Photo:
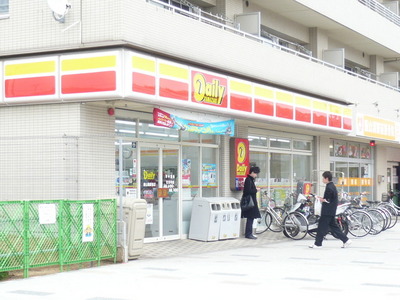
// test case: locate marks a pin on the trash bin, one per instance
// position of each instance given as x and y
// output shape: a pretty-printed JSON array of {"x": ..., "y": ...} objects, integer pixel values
[
  {"x": 205, "y": 220},
  {"x": 134, "y": 215},
  {"x": 225, "y": 228},
  {"x": 236, "y": 213}
]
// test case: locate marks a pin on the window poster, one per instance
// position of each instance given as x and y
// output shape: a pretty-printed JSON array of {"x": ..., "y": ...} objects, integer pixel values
[
  {"x": 365, "y": 152},
  {"x": 209, "y": 175},
  {"x": 87, "y": 222},
  {"x": 340, "y": 149},
  {"x": 186, "y": 168}
]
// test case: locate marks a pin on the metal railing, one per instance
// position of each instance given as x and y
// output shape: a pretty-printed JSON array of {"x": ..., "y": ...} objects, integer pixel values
[
  {"x": 382, "y": 10},
  {"x": 56, "y": 232},
  {"x": 267, "y": 42}
]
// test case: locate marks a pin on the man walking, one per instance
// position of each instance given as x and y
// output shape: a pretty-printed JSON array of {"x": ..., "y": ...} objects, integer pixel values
[{"x": 327, "y": 221}]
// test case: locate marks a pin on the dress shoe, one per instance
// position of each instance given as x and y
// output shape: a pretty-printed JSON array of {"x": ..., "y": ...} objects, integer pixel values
[{"x": 252, "y": 237}]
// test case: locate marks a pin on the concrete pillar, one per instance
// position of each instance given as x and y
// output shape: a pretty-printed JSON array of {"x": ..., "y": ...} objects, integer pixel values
[{"x": 318, "y": 42}]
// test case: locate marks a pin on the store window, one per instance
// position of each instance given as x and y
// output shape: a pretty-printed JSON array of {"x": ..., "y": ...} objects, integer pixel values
[
  {"x": 285, "y": 163},
  {"x": 352, "y": 167},
  {"x": 148, "y": 130},
  {"x": 280, "y": 143}
]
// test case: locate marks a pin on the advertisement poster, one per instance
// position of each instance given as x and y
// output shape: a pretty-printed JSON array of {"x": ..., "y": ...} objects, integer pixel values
[
  {"x": 87, "y": 222},
  {"x": 239, "y": 162},
  {"x": 186, "y": 168},
  {"x": 164, "y": 119},
  {"x": 47, "y": 213},
  {"x": 209, "y": 172}
]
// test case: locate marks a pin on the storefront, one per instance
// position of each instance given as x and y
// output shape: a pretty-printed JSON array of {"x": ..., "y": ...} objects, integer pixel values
[
  {"x": 166, "y": 167},
  {"x": 169, "y": 166}
]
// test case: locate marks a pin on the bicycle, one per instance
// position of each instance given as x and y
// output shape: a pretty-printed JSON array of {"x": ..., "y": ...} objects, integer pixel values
[
  {"x": 293, "y": 224},
  {"x": 271, "y": 216},
  {"x": 313, "y": 219},
  {"x": 378, "y": 217}
]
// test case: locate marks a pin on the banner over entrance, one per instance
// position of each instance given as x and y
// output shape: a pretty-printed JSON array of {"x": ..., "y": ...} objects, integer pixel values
[{"x": 164, "y": 119}]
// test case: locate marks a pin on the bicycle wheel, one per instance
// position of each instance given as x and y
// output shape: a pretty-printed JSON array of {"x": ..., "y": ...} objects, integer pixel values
[
  {"x": 276, "y": 220},
  {"x": 295, "y": 226},
  {"x": 359, "y": 223},
  {"x": 378, "y": 221},
  {"x": 386, "y": 216},
  {"x": 393, "y": 215},
  {"x": 262, "y": 225}
]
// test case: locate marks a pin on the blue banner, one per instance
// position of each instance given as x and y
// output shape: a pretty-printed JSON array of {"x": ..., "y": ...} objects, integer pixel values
[{"x": 162, "y": 118}]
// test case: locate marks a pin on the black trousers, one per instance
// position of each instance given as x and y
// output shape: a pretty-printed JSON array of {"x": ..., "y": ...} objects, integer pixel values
[
  {"x": 326, "y": 224},
  {"x": 249, "y": 227}
]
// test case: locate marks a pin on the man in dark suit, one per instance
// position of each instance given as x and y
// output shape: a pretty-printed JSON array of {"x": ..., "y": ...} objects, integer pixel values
[{"x": 327, "y": 221}]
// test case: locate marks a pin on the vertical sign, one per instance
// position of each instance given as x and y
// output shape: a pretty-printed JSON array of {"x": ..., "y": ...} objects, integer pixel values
[
  {"x": 239, "y": 162},
  {"x": 87, "y": 222}
]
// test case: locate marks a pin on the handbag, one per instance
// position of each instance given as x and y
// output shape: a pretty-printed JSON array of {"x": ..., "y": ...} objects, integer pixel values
[{"x": 246, "y": 203}]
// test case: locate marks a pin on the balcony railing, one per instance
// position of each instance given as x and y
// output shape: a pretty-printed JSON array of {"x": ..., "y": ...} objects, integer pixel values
[
  {"x": 382, "y": 10},
  {"x": 267, "y": 42}
]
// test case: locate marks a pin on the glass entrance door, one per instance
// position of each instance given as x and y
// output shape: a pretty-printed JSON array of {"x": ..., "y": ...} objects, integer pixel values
[{"x": 159, "y": 186}]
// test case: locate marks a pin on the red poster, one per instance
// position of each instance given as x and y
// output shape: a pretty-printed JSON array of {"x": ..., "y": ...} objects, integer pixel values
[{"x": 239, "y": 162}]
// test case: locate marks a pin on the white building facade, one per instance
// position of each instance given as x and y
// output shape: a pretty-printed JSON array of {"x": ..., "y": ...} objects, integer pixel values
[{"x": 308, "y": 83}]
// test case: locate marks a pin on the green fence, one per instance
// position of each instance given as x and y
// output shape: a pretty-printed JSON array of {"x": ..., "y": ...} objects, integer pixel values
[{"x": 56, "y": 232}]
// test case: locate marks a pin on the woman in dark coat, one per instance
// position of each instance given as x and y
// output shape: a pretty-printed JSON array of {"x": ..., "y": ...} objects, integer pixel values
[{"x": 253, "y": 213}]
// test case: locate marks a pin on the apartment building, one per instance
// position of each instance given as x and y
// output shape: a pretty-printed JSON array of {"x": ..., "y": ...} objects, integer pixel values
[{"x": 168, "y": 100}]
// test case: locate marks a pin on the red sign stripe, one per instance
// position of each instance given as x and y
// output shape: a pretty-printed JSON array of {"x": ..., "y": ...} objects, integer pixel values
[
  {"x": 27, "y": 87},
  {"x": 264, "y": 107},
  {"x": 335, "y": 121},
  {"x": 320, "y": 118},
  {"x": 88, "y": 82},
  {"x": 174, "y": 89},
  {"x": 240, "y": 102},
  {"x": 143, "y": 83},
  {"x": 284, "y": 111},
  {"x": 347, "y": 123},
  {"x": 303, "y": 114}
]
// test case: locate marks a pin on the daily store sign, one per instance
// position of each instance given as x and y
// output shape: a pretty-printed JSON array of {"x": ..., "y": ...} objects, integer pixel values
[
  {"x": 124, "y": 74},
  {"x": 378, "y": 128}
]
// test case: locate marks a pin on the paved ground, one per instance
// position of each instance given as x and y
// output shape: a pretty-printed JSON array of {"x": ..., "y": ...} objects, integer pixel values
[{"x": 271, "y": 266}]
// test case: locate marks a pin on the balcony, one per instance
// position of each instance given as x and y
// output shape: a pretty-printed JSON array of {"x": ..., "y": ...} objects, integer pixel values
[{"x": 265, "y": 39}]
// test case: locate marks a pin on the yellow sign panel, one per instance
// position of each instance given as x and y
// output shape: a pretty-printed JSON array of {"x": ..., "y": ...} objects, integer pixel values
[{"x": 376, "y": 127}]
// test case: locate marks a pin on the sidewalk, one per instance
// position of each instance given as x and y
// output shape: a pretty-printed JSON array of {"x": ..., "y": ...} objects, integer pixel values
[{"x": 271, "y": 266}]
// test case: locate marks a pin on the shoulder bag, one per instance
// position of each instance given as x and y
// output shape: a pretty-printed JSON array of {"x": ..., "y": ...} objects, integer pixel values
[{"x": 246, "y": 203}]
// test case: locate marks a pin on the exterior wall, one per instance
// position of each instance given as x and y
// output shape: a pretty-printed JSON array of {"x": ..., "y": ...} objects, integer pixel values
[{"x": 56, "y": 152}]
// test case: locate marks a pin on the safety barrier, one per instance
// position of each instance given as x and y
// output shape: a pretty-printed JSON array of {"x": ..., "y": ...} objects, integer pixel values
[{"x": 56, "y": 232}]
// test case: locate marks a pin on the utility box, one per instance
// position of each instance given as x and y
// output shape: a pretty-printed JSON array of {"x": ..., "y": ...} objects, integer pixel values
[
  {"x": 134, "y": 215},
  {"x": 205, "y": 220}
]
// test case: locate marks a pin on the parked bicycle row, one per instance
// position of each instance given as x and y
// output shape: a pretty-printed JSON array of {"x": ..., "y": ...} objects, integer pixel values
[{"x": 353, "y": 217}]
